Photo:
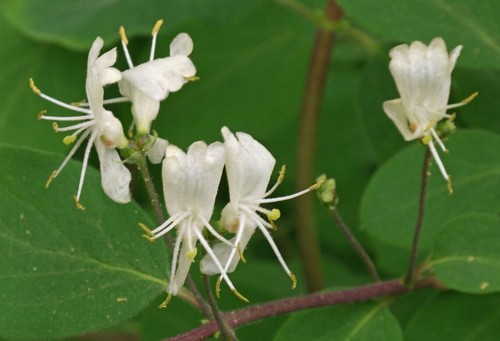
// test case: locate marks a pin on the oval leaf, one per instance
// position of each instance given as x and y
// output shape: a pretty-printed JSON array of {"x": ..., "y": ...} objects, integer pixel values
[
  {"x": 65, "y": 271},
  {"x": 365, "y": 321},
  {"x": 467, "y": 254}
]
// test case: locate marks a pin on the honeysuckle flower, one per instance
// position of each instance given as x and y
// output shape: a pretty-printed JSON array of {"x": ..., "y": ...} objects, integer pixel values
[
  {"x": 147, "y": 84},
  {"x": 102, "y": 129},
  {"x": 423, "y": 78},
  {"x": 157, "y": 150},
  {"x": 249, "y": 166},
  {"x": 190, "y": 183}
]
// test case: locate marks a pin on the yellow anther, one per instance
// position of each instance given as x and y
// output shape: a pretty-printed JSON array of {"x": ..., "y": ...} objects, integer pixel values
[
  {"x": 240, "y": 296},
  {"x": 450, "y": 187},
  {"x": 146, "y": 229},
  {"x": 282, "y": 174},
  {"x": 79, "y": 103},
  {"x": 123, "y": 36},
  {"x": 40, "y": 115},
  {"x": 55, "y": 126},
  {"x": 294, "y": 280},
  {"x": 453, "y": 116},
  {"x": 217, "y": 286},
  {"x": 470, "y": 98},
  {"x": 319, "y": 182},
  {"x": 166, "y": 302},
  {"x": 77, "y": 204},
  {"x": 426, "y": 139},
  {"x": 192, "y": 78},
  {"x": 34, "y": 88},
  {"x": 157, "y": 26},
  {"x": 192, "y": 254},
  {"x": 67, "y": 140},
  {"x": 274, "y": 215},
  {"x": 240, "y": 253},
  {"x": 51, "y": 177},
  {"x": 148, "y": 238}
]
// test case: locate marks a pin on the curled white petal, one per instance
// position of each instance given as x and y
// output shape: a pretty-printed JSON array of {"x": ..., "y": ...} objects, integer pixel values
[
  {"x": 157, "y": 151},
  {"x": 182, "y": 44}
]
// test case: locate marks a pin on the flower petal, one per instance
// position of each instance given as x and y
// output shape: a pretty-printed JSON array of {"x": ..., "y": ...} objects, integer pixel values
[
  {"x": 157, "y": 151},
  {"x": 182, "y": 44},
  {"x": 397, "y": 113},
  {"x": 115, "y": 177}
]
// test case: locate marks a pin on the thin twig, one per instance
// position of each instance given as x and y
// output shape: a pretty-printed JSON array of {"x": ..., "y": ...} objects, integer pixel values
[
  {"x": 356, "y": 245},
  {"x": 226, "y": 332},
  {"x": 410, "y": 273},
  {"x": 307, "y": 239},
  {"x": 143, "y": 168},
  {"x": 244, "y": 316}
]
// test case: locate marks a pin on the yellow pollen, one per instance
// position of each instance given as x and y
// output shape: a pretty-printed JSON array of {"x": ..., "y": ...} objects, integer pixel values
[
  {"x": 240, "y": 296},
  {"x": 192, "y": 254},
  {"x": 450, "y": 187},
  {"x": 55, "y": 126},
  {"x": 67, "y": 140},
  {"x": 426, "y": 139},
  {"x": 192, "y": 78},
  {"x": 470, "y": 98},
  {"x": 146, "y": 229},
  {"x": 282, "y": 174},
  {"x": 123, "y": 36},
  {"x": 166, "y": 302},
  {"x": 34, "y": 88},
  {"x": 77, "y": 204},
  {"x": 319, "y": 182},
  {"x": 217, "y": 287},
  {"x": 274, "y": 215},
  {"x": 294, "y": 280},
  {"x": 40, "y": 115},
  {"x": 157, "y": 26}
]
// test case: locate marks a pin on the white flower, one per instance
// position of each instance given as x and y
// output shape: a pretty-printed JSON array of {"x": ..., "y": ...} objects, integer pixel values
[
  {"x": 190, "y": 183},
  {"x": 423, "y": 78},
  {"x": 149, "y": 83},
  {"x": 248, "y": 166},
  {"x": 157, "y": 149},
  {"x": 98, "y": 125}
]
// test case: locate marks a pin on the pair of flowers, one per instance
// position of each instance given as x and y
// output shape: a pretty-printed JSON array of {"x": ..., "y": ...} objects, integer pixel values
[
  {"x": 144, "y": 85},
  {"x": 190, "y": 183}
]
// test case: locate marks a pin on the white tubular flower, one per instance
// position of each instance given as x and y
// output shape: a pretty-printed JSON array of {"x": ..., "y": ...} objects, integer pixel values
[
  {"x": 98, "y": 125},
  {"x": 190, "y": 183},
  {"x": 423, "y": 78},
  {"x": 149, "y": 83},
  {"x": 248, "y": 166}
]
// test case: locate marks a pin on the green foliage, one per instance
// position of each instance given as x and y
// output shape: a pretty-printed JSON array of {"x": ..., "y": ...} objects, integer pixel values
[
  {"x": 65, "y": 271},
  {"x": 363, "y": 321}
]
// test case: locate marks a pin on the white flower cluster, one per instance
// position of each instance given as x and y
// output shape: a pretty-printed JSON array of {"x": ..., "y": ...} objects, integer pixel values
[{"x": 190, "y": 180}]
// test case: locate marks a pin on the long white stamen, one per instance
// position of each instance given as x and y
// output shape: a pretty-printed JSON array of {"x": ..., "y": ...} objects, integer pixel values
[
  {"x": 65, "y": 105},
  {"x": 80, "y": 126},
  {"x": 116, "y": 100},
  {"x": 175, "y": 259},
  {"x": 239, "y": 234},
  {"x": 463, "y": 102},
  {"x": 67, "y": 118},
  {"x": 215, "y": 233},
  {"x": 169, "y": 224},
  {"x": 287, "y": 197},
  {"x": 124, "y": 40},
  {"x": 438, "y": 140},
  {"x": 72, "y": 152},
  {"x": 154, "y": 33},
  {"x": 438, "y": 160},
  {"x": 251, "y": 213},
  {"x": 271, "y": 242},
  {"x": 85, "y": 162}
]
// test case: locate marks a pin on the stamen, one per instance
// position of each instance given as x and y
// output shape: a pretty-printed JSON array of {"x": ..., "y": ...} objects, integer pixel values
[
  {"x": 215, "y": 233},
  {"x": 55, "y": 101},
  {"x": 85, "y": 162},
  {"x": 175, "y": 259},
  {"x": 438, "y": 161},
  {"x": 34, "y": 88},
  {"x": 288, "y": 197},
  {"x": 71, "y": 138},
  {"x": 219, "y": 265},
  {"x": 237, "y": 241},
  {"x": 77, "y": 203},
  {"x": 40, "y": 115},
  {"x": 154, "y": 33},
  {"x": 278, "y": 182},
  {"x": 166, "y": 302},
  {"x": 192, "y": 78},
  {"x": 55, "y": 126},
  {"x": 450, "y": 187},
  {"x": 146, "y": 229},
  {"x": 438, "y": 140},
  {"x": 78, "y": 126},
  {"x": 294, "y": 280},
  {"x": 169, "y": 224},
  {"x": 192, "y": 254},
  {"x": 463, "y": 102},
  {"x": 116, "y": 100},
  {"x": 51, "y": 177},
  {"x": 124, "y": 40}
]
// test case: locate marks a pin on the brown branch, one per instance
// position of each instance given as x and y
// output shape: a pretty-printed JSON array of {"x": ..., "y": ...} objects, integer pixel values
[
  {"x": 313, "y": 95},
  {"x": 244, "y": 316}
]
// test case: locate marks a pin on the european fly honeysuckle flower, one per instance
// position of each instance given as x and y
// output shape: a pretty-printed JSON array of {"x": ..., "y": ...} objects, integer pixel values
[
  {"x": 102, "y": 129},
  {"x": 423, "y": 78},
  {"x": 190, "y": 183},
  {"x": 249, "y": 166},
  {"x": 149, "y": 83}
]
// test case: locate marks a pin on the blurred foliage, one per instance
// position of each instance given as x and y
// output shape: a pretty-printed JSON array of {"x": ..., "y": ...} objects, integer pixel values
[{"x": 252, "y": 58}]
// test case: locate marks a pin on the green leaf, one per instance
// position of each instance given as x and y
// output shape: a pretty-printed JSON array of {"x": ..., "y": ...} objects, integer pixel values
[
  {"x": 472, "y": 24},
  {"x": 364, "y": 321},
  {"x": 467, "y": 254},
  {"x": 64, "y": 271},
  {"x": 75, "y": 23},
  {"x": 454, "y": 316},
  {"x": 389, "y": 206}
]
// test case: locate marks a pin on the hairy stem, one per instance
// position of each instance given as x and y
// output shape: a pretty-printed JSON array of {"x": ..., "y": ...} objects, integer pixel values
[
  {"x": 356, "y": 245},
  {"x": 244, "y": 316},
  {"x": 143, "y": 168},
  {"x": 226, "y": 332},
  {"x": 410, "y": 273},
  {"x": 307, "y": 239}
]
